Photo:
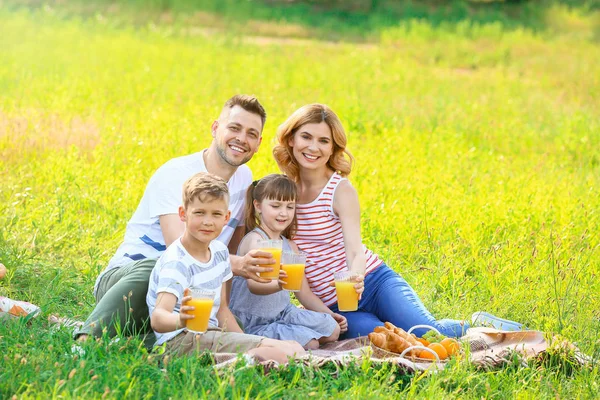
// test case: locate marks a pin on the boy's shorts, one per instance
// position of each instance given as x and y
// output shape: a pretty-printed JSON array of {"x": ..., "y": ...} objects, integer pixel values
[{"x": 215, "y": 340}]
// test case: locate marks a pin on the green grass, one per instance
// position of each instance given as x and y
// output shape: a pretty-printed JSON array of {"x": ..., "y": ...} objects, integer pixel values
[{"x": 478, "y": 168}]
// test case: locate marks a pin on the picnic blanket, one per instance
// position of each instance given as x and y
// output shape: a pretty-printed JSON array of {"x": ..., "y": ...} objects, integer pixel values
[{"x": 484, "y": 347}]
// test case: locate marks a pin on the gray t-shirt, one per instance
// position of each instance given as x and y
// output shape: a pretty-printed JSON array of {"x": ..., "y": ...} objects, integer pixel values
[{"x": 177, "y": 270}]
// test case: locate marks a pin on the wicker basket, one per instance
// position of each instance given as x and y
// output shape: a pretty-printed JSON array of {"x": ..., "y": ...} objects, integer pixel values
[{"x": 383, "y": 353}]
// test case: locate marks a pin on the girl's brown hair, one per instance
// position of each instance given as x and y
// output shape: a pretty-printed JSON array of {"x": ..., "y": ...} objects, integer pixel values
[
  {"x": 340, "y": 161},
  {"x": 271, "y": 187}
]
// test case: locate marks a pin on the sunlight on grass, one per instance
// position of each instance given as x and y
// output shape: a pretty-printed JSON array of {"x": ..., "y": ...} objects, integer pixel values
[{"x": 478, "y": 169}]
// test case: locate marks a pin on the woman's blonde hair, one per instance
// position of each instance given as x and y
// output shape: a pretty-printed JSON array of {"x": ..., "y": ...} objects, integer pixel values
[
  {"x": 272, "y": 187},
  {"x": 340, "y": 161}
]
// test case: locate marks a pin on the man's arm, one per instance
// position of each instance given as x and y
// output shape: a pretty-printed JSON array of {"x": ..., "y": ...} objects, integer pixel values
[
  {"x": 236, "y": 239},
  {"x": 172, "y": 227}
]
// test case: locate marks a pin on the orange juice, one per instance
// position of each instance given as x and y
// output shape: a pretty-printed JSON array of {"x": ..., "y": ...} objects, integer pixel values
[
  {"x": 274, "y": 275},
  {"x": 346, "y": 295},
  {"x": 203, "y": 308},
  {"x": 295, "y": 273}
]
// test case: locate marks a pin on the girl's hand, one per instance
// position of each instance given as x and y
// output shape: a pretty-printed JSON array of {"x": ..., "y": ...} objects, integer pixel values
[
  {"x": 360, "y": 285},
  {"x": 282, "y": 278},
  {"x": 183, "y": 316},
  {"x": 342, "y": 322}
]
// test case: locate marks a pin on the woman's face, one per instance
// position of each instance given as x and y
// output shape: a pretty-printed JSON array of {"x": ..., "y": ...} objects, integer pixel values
[{"x": 312, "y": 145}]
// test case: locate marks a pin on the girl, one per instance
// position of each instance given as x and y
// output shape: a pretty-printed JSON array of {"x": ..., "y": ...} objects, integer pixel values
[
  {"x": 311, "y": 150},
  {"x": 263, "y": 308}
]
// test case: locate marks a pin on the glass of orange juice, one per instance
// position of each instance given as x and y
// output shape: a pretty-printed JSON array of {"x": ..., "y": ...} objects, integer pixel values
[
  {"x": 202, "y": 301},
  {"x": 346, "y": 294},
  {"x": 293, "y": 265},
  {"x": 273, "y": 247}
]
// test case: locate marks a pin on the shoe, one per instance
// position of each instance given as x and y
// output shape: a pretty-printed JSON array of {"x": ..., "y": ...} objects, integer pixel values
[
  {"x": 77, "y": 350},
  {"x": 481, "y": 318}
]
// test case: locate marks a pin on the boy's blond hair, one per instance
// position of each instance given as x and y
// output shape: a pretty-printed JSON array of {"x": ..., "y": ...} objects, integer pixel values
[{"x": 205, "y": 187}]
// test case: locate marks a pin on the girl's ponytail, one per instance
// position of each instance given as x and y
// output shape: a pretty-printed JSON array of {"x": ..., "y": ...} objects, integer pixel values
[{"x": 250, "y": 219}]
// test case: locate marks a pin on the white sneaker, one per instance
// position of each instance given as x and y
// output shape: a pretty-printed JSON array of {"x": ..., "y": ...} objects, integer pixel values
[{"x": 482, "y": 318}]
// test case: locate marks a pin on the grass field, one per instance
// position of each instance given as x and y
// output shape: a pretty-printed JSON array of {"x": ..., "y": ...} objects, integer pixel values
[{"x": 478, "y": 167}]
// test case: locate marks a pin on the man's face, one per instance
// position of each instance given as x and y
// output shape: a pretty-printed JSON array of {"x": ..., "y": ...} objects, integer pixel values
[{"x": 237, "y": 135}]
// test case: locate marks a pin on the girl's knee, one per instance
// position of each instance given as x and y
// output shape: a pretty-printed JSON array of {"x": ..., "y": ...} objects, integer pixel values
[
  {"x": 333, "y": 337},
  {"x": 312, "y": 345},
  {"x": 336, "y": 333}
]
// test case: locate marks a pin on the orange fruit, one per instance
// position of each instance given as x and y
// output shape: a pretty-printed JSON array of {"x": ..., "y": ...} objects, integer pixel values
[
  {"x": 424, "y": 342},
  {"x": 451, "y": 345},
  {"x": 427, "y": 355},
  {"x": 2, "y": 271},
  {"x": 439, "y": 349}
]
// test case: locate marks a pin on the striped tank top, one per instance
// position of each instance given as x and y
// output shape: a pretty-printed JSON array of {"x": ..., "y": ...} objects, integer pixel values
[{"x": 320, "y": 236}]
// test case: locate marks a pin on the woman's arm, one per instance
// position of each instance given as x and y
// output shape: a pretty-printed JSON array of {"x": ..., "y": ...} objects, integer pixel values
[{"x": 347, "y": 208}]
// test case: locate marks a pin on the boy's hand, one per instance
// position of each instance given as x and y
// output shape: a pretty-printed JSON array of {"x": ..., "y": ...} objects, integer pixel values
[
  {"x": 282, "y": 278},
  {"x": 183, "y": 316},
  {"x": 251, "y": 265},
  {"x": 342, "y": 322}
]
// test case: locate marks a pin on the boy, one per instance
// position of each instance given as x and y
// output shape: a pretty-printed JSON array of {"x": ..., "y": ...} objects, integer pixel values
[{"x": 197, "y": 260}]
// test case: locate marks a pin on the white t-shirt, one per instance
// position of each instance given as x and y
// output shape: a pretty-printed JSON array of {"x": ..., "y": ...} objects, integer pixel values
[
  {"x": 176, "y": 270},
  {"x": 163, "y": 195}
]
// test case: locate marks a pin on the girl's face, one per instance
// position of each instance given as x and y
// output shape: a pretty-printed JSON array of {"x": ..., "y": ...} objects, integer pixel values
[
  {"x": 312, "y": 145},
  {"x": 275, "y": 215}
]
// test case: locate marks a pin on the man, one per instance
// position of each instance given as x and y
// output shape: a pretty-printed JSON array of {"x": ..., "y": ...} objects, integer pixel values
[{"x": 121, "y": 288}]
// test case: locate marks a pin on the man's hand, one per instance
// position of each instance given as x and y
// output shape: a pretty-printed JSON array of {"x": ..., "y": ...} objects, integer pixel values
[
  {"x": 249, "y": 266},
  {"x": 342, "y": 322}
]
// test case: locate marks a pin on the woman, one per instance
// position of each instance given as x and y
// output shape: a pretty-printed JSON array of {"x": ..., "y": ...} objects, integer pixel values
[{"x": 311, "y": 150}]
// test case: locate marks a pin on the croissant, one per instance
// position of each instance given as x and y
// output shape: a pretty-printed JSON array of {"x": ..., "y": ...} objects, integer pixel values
[
  {"x": 404, "y": 335},
  {"x": 395, "y": 343},
  {"x": 380, "y": 329},
  {"x": 378, "y": 339}
]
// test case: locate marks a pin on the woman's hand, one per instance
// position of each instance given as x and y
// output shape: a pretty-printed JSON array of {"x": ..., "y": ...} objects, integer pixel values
[
  {"x": 342, "y": 322},
  {"x": 360, "y": 285}
]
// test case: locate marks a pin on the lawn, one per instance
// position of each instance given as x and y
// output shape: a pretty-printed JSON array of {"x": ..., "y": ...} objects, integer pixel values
[{"x": 477, "y": 140}]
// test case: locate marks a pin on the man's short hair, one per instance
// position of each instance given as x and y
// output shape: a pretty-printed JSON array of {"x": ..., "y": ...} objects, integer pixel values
[
  {"x": 204, "y": 187},
  {"x": 248, "y": 103}
]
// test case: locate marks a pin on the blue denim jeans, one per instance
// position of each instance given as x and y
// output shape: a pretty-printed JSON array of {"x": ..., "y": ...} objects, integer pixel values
[{"x": 388, "y": 297}]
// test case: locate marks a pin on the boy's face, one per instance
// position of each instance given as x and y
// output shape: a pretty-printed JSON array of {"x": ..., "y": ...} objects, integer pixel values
[{"x": 204, "y": 220}]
